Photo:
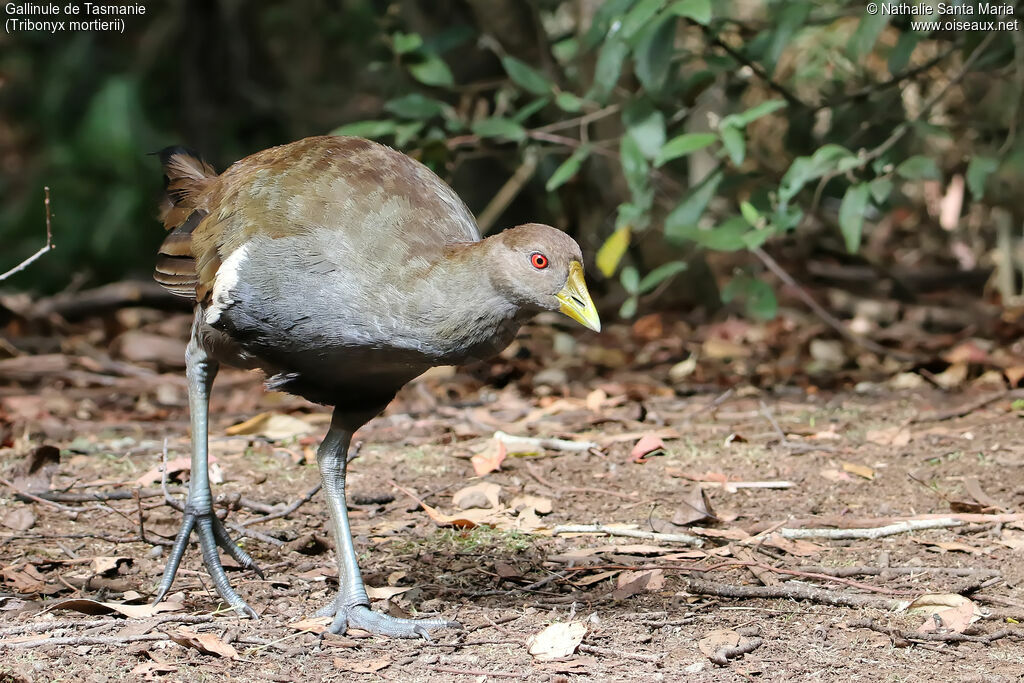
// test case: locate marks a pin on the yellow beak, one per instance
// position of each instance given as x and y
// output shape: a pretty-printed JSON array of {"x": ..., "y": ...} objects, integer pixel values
[{"x": 576, "y": 301}]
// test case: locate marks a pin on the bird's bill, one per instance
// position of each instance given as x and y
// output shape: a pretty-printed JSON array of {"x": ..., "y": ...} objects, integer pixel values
[{"x": 575, "y": 299}]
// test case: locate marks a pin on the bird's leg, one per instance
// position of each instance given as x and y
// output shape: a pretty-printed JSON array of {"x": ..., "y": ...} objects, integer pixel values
[
  {"x": 199, "y": 516},
  {"x": 352, "y": 606}
]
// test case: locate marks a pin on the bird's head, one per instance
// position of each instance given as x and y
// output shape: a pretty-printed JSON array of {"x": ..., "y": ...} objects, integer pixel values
[{"x": 540, "y": 267}]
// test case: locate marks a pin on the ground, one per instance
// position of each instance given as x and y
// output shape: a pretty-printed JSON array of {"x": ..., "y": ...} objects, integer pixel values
[{"x": 836, "y": 454}]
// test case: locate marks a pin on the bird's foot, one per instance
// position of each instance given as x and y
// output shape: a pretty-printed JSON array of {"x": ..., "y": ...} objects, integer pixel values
[
  {"x": 362, "y": 617},
  {"x": 212, "y": 534}
]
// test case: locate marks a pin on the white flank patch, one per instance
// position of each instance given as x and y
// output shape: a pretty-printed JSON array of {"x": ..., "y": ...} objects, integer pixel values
[{"x": 224, "y": 282}]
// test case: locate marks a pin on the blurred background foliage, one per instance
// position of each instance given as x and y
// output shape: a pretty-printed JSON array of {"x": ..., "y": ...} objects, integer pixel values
[{"x": 689, "y": 145}]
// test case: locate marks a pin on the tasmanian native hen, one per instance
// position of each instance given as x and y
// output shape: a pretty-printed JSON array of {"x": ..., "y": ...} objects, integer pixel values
[{"x": 342, "y": 269}]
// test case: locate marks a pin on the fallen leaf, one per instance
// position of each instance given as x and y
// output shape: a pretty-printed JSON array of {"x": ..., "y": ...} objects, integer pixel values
[
  {"x": 797, "y": 547},
  {"x": 889, "y": 436},
  {"x": 716, "y": 640},
  {"x": 490, "y": 459},
  {"x": 948, "y": 611},
  {"x": 694, "y": 506},
  {"x": 557, "y": 640},
  {"x": 631, "y": 583},
  {"x": 206, "y": 642},
  {"x": 723, "y": 349},
  {"x": 174, "y": 467},
  {"x": 87, "y": 606},
  {"x": 540, "y": 505},
  {"x": 860, "y": 470},
  {"x": 953, "y": 376},
  {"x": 648, "y": 446},
  {"x": 834, "y": 475},
  {"x": 102, "y": 565},
  {"x": 951, "y": 546},
  {"x": 595, "y": 578},
  {"x": 386, "y": 592},
  {"x": 272, "y": 426},
  {"x": 482, "y": 495},
  {"x": 151, "y": 670},
  {"x": 362, "y": 666},
  {"x": 311, "y": 625},
  {"x": 20, "y": 518},
  {"x": 973, "y": 488}
]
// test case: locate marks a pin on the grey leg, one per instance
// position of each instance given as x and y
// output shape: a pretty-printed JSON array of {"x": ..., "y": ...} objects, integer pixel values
[
  {"x": 199, "y": 516},
  {"x": 352, "y": 606}
]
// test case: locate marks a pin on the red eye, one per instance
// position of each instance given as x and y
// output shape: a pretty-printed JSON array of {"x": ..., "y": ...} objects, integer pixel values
[{"x": 539, "y": 260}]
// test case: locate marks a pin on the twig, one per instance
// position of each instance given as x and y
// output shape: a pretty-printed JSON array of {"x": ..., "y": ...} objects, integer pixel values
[
  {"x": 292, "y": 507},
  {"x": 624, "y": 654},
  {"x": 629, "y": 533},
  {"x": 45, "y": 248},
  {"x": 44, "y": 626},
  {"x": 951, "y": 637},
  {"x": 967, "y": 408},
  {"x": 471, "y": 672},
  {"x": 872, "y": 533},
  {"x": 819, "y": 310},
  {"x": 785, "y": 441},
  {"x": 85, "y": 640},
  {"x": 901, "y": 571},
  {"x": 509, "y": 191},
  {"x": 722, "y": 656},
  {"x": 513, "y": 443},
  {"x": 790, "y": 592},
  {"x": 25, "y": 494}
]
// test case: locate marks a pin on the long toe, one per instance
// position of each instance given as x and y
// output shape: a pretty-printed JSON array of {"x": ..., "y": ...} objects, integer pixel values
[{"x": 377, "y": 623}]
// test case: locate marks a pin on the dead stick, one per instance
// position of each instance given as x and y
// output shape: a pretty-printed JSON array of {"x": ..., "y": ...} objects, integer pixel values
[
  {"x": 788, "y": 592},
  {"x": 629, "y": 533},
  {"x": 951, "y": 637},
  {"x": 610, "y": 652},
  {"x": 967, "y": 408},
  {"x": 45, "y": 248},
  {"x": 723, "y": 655}
]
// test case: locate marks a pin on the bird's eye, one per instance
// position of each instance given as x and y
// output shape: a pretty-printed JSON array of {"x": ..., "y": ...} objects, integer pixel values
[{"x": 539, "y": 260}]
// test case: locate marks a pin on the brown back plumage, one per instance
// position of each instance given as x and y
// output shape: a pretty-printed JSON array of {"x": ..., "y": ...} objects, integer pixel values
[{"x": 186, "y": 178}]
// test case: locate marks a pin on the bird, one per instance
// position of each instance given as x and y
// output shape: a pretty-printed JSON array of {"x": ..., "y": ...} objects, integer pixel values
[{"x": 342, "y": 269}]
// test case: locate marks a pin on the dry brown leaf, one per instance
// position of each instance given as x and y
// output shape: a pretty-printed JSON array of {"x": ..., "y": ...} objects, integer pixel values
[
  {"x": 362, "y": 666},
  {"x": 648, "y": 446},
  {"x": 152, "y": 670},
  {"x": 311, "y": 625},
  {"x": 716, "y": 640},
  {"x": 946, "y": 611},
  {"x": 272, "y": 426},
  {"x": 595, "y": 578},
  {"x": 797, "y": 547},
  {"x": 386, "y": 592},
  {"x": 834, "y": 475},
  {"x": 557, "y": 640},
  {"x": 176, "y": 466},
  {"x": 540, "y": 505},
  {"x": 20, "y": 518},
  {"x": 633, "y": 582},
  {"x": 953, "y": 376},
  {"x": 205, "y": 642},
  {"x": 490, "y": 459},
  {"x": 482, "y": 495},
  {"x": 860, "y": 470},
  {"x": 722, "y": 349},
  {"x": 693, "y": 507},
  {"x": 951, "y": 546},
  {"x": 889, "y": 436},
  {"x": 102, "y": 565},
  {"x": 87, "y": 606}
]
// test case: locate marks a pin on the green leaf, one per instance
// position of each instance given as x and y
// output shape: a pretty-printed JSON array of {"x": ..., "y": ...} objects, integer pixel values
[
  {"x": 635, "y": 215},
  {"x": 530, "y": 109},
  {"x": 431, "y": 70},
  {"x": 634, "y": 165},
  {"x": 526, "y": 76},
  {"x": 851, "y": 215},
  {"x": 499, "y": 128},
  {"x": 681, "y": 145},
  {"x": 682, "y": 221},
  {"x": 652, "y": 56},
  {"x": 415, "y": 106},
  {"x": 608, "y": 12},
  {"x": 404, "y": 132},
  {"x": 734, "y": 143},
  {"x": 919, "y": 167},
  {"x": 646, "y": 125},
  {"x": 569, "y": 102},
  {"x": 863, "y": 40},
  {"x": 744, "y": 119},
  {"x": 880, "y": 189},
  {"x": 727, "y": 236},
  {"x": 758, "y": 297},
  {"x": 608, "y": 69},
  {"x": 611, "y": 252},
  {"x": 404, "y": 43},
  {"x": 568, "y": 168},
  {"x": 637, "y": 18},
  {"x": 698, "y": 10},
  {"x": 978, "y": 170},
  {"x": 659, "y": 275},
  {"x": 630, "y": 279},
  {"x": 367, "y": 129},
  {"x": 750, "y": 213},
  {"x": 628, "y": 309},
  {"x": 791, "y": 18},
  {"x": 900, "y": 55},
  {"x": 805, "y": 169}
]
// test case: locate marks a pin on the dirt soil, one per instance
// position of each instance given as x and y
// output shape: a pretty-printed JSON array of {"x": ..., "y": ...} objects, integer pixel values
[{"x": 638, "y": 609}]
